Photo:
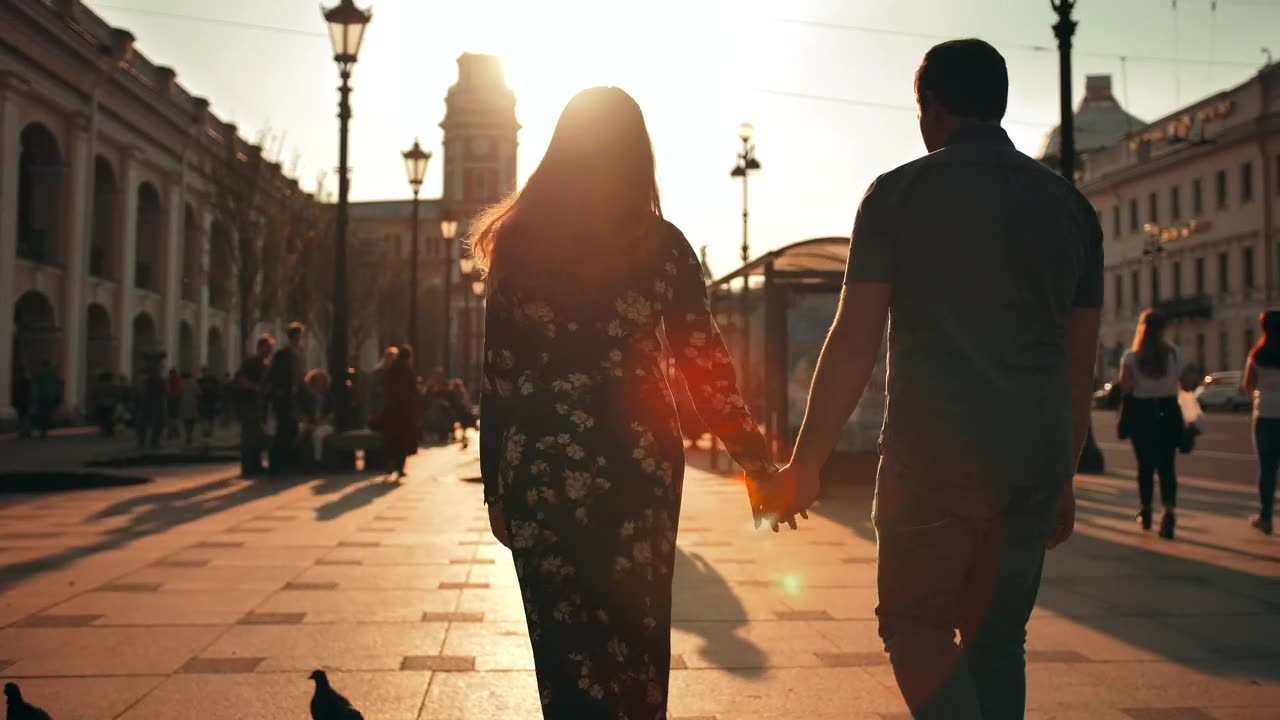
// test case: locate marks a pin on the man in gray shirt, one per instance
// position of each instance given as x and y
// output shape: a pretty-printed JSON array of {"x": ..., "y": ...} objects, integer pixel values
[{"x": 989, "y": 268}]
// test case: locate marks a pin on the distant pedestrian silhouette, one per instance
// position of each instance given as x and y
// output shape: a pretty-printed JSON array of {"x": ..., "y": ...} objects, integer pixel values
[
  {"x": 1262, "y": 380},
  {"x": 990, "y": 265},
  {"x": 580, "y": 445},
  {"x": 400, "y": 420},
  {"x": 1150, "y": 376}
]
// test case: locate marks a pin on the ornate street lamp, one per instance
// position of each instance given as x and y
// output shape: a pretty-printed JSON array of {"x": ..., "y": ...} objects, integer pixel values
[
  {"x": 746, "y": 164},
  {"x": 448, "y": 231},
  {"x": 415, "y": 166},
  {"x": 346, "y": 31}
]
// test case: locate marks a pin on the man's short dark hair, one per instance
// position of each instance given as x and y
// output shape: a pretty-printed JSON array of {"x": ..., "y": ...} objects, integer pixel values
[
  {"x": 295, "y": 331},
  {"x": 968, "y": 77}
]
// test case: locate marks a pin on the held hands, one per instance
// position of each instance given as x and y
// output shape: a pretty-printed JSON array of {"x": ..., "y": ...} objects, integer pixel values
[{"x": 782, "y": 494}]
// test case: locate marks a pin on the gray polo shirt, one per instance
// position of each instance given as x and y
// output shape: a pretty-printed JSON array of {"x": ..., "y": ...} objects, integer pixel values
[{"x": 986, "y": 251}]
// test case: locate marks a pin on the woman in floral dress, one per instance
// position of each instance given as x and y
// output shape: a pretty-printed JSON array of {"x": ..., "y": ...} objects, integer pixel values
[{"x": 580, "y": 445}]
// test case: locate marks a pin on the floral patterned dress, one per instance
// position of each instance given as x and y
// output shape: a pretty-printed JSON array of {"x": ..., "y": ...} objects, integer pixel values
[{"x": 581, "y": 444}]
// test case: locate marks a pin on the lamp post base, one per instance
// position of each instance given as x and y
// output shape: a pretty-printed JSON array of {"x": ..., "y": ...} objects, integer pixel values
[{"x": 1091, "y": 460}]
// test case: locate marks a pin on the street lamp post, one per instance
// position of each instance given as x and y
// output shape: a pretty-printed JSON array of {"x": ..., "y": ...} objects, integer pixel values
[
  {"x": 346, "y": 30},
  {"x": 448, "y": 231},
  {"x": 1091, "y": 460},
  {"x": 746, "y": 164},
  {"x": 415, "y": 165},
  {"x": 477, "y": 289},
  {"x": 466, "y": 266}
]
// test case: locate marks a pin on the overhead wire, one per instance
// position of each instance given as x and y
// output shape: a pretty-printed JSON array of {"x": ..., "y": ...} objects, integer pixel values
[{"x": 1015, "y": 44}]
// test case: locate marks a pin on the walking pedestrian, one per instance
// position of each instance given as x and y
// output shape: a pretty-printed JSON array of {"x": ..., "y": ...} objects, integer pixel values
[
  {"x": 400, "y": 421},
  {"x": 284, "y": 381},
  {"x": 20, "y": 392},
  {"x": 580, "y": 447},
  {"x": 189, "y": 407},
  {"x": 105, "y": 400},
  {"x": 438, "y": 419},
  {"x": 991, "y": 266},
  {"x": 1151, "y": 373},
  {"x": 249, "y": 402},
  {"x": 461, "y": 409},
  {"x": 46, "y": 397},
  {"x": 210, "y": 399},
  {"x": 1262, "y": 381},
  {"x": 150, "y": 398},
  {"x": 173, "y": 402},
  {"x": 377, "y": 384}
]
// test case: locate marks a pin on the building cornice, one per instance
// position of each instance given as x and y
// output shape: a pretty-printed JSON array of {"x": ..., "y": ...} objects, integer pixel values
[{"x": 1242, "y": 133}]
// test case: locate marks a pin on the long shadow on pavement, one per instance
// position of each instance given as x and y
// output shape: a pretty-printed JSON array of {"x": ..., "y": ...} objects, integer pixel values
[
  {"x": 357, "y": 498},
  {"x": 722, "y": 644},
  {"x": 160, "y": 513},
  {"x": 1139, "y": 590}
]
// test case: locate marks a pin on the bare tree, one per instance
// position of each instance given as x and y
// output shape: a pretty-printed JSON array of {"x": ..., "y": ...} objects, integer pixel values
[{"x": 252, "y": 198}]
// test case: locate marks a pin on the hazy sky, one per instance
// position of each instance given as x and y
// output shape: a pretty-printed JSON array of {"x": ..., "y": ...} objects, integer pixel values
[{"x": 698, "y": 68}]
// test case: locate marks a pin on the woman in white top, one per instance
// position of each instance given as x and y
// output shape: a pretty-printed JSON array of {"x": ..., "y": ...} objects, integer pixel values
[
  {"x": 1150, "y": 376},
  {"x": 1262, "y": 380}
]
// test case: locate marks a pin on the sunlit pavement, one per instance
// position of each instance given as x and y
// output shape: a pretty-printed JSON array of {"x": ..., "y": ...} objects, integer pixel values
[{"x": 204, "y": 596}]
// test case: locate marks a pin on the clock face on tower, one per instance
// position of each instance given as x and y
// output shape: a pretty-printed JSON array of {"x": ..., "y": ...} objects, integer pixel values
[{"x": 481, "y": 147}]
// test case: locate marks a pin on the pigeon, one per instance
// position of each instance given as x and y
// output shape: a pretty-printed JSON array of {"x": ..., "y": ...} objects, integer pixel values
[
  {"x": 329, "y": 704},
  {"x": 20, "y": 709}
]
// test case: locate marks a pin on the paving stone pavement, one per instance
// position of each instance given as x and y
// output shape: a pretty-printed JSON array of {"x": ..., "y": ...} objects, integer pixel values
[{"x": 206, "y": 596}]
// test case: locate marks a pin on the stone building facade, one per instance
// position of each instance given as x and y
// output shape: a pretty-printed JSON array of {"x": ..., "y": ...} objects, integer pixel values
[
  {"x": 1188, "y": 204},
  {"x": 111, "y": 243}
]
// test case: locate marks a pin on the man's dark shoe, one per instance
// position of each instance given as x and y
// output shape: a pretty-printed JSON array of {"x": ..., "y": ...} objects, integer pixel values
[
  {"x": 1144, "y": 517},
  {"x": 1261, "y": 524},
  {"x": 1166, "y": 524}
]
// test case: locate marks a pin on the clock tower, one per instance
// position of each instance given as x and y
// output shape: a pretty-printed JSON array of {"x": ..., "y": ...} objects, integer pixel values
[{"x": 480, "y": 131}]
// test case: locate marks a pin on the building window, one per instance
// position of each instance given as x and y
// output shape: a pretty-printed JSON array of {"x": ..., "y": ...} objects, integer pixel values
[
  {"x": 1199, "y": 276},
  {"x": 1224, "y": 269},
  {"x": 1115, "y": 222},
  {"x": 1201, "y": 358},
  {"x": 1119, "y": 291},
  {"x": 1224, "y": 352},
  {"x": 1133, "y": 289},
  {"x": 1246, "y": 182},
  {"x": 1175, "y": 203},
  {"x": 1133, "y": 214},
  {"x": 1197, "y": 198},
  {"x": 1221, "y": 189},
  {"x": 1248, "y": 268},
  {"x": 1153, "y": 208},
  {"x": 1155, "y": 285},
  {"x": 1177, "y": 280}
]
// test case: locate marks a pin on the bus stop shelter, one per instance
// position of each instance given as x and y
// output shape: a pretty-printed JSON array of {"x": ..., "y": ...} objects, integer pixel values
[{"x": 775, "y": 328}]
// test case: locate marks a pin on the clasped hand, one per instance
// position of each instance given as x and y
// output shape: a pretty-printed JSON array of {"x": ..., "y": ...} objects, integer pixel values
[{"x": 782, "y": 493}]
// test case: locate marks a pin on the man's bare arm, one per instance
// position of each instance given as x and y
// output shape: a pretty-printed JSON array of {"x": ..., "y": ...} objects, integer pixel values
[{"x": 844, "y": 367}]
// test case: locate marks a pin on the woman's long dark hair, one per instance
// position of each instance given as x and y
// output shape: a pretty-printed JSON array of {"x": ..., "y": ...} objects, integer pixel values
[
  {"x": 595, "y": 192},
  {"x": 1148, "y": 343},
  {"x": 1267, "y": 352}
]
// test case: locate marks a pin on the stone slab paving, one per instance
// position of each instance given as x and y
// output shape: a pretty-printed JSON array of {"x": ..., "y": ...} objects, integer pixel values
[{"x": 202, "y": 595}]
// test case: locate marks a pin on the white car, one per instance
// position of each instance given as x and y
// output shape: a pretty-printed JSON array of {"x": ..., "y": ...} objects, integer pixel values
[{"x": 1221, "y": 391}]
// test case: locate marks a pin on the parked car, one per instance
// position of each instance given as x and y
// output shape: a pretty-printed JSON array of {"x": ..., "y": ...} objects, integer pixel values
[
  {"x": 1221, "y": 391},
  {"x": 1107, "y": 397}
]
